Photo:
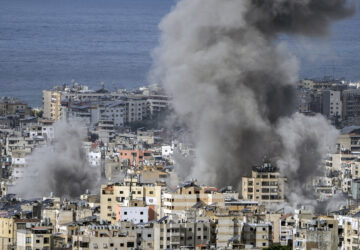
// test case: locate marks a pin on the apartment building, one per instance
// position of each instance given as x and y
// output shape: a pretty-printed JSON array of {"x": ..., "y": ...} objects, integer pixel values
[
  {"x": 8, "y": 230},
  {"x": 135, "y": 157},
  {"x": 52, "y": 105},
  {"x": 265, "y": 185},
  {"x": 156, "y": 104},
  {"x": 119, "y": 194},
  {"x": 136, "y": 109},
  {"x": 258, "y": 235},
  {"x": 349, "y": 139},
  {"x": 349, "y": 232},
  {"x": 96, "y": 237},
  {"x": 190, "y": 194},
  {"x": 172, "y": 232},
  {"x": 42, "y": 132},
  {"x": 228, "y": 227},
  {"x": 332, "y": 104},
  {"x": 135, "y": 215},
  {"x": 109, "y": 111},
  {"x": 312, "y": 232},
  {"x": 287, "y": 224},
  {"x": 146, "y": 136},
  {"x": 13, "y": 107},
  {"x": 34, "y": 238},
  {"x": 351, "y": 104}
]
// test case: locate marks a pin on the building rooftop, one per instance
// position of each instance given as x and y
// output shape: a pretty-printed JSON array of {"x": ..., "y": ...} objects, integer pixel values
[{"x": 267, "y": 167}]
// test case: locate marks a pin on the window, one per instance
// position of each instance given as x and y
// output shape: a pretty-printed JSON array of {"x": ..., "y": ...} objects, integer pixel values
[
  {"x": 125, "y": 213},
  {"x": 46, "y": 240},
  {"x": 130, "y": 244},
  {"x": 28, "y": 240},
  {"x": 141, "y": 213},
  {"x": 37, "y": 241}
]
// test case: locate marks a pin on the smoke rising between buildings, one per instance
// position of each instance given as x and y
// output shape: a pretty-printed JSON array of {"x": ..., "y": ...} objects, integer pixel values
[
  {"x": 234, "y": 85},
  {"x": 60, "y": 167}
]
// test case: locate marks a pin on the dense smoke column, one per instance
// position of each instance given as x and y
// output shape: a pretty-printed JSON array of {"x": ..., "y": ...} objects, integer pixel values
[
  {"x": 234, "y": 87},
  {"x": 61, "y": 167}
]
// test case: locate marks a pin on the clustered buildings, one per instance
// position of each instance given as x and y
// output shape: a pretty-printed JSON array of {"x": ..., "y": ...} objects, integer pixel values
[
  {"x": 144, "y": 204},
  {"x": 119, "y": 108},
  {"x": 335, "y": 99}
]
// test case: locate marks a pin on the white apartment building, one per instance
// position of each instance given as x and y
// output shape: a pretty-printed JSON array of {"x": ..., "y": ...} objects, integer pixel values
[
  {"x": 115, "y": 111},
  {"x": 94, "y": 158},
  {"x": 132, "y": 214}
]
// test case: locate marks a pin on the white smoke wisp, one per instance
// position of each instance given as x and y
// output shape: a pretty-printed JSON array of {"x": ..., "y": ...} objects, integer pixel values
[
  {"x": 60, "y": 167},
  {"x": 234, "y": 87}
]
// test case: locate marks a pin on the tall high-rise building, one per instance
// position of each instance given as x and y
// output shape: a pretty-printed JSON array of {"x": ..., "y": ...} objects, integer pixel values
[{"x": 52, "y": 105}]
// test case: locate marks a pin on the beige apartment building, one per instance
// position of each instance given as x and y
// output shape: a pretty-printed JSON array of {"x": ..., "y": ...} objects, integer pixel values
[
  {"x": 172, "y": 233},
  {"x": 265, "y": 185},
  {"x": 259, "y": 235},
  {"x": 316, "y": 233},
  {"x": 227, "y": 227},
  {"x": 34, "y": 238},
  {"x": 116, "y": 194},
  {"x": 190, "y": 194},
  {"x": 8, "y": 230},
  {"x": 52, "y": 105},
  {"x": 105, "y": 237},
  {"x": 349, "y": 232}
]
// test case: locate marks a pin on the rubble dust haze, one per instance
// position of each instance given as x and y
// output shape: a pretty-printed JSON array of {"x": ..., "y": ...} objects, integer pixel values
[
  {"x": 234, "y": 85},
  {"x": 60, "y": 167}
]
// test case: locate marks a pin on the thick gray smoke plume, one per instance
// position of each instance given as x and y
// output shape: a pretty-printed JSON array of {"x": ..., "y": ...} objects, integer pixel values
[
  {"x": 235, "y": 87},
  {"x": 61, "y": 167}
]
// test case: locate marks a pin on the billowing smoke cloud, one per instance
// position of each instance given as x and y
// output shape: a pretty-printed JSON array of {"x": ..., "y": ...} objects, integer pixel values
[
  {"x": 61, "y": 167},
  {"x": 305, "y": 140},
  {"x": 234, "y": 86}
]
